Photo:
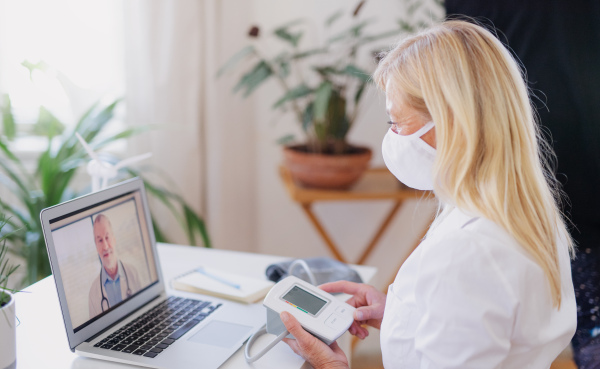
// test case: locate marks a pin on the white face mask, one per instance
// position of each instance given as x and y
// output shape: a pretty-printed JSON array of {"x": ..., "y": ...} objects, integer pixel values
[{"x": 410, "y": 158}]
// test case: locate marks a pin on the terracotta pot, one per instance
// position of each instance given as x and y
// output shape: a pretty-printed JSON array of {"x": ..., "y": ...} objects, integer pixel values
[{"x": 326, "y": 171}]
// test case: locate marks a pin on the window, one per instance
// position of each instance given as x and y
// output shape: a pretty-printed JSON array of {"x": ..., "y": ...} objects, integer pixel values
[{"x": 74, "y": 49}]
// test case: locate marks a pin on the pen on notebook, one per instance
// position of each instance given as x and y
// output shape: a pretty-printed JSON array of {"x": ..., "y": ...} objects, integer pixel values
[{"x": 218, "y": 279}]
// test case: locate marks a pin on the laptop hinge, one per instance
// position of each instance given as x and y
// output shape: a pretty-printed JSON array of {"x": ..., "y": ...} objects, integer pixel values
[{"x": 119, "y": 321}]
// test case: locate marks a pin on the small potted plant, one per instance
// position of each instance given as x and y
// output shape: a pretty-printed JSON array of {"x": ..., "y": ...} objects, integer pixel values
[
  {"x": 323, "y": 87},
  {"x": 8, "y": 339}
]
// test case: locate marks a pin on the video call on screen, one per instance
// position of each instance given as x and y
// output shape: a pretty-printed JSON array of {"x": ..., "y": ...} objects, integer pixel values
[{"x": 104, "y": 255}]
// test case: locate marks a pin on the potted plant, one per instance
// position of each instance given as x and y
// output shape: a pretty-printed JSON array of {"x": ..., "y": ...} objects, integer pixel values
[
  {"x": 8, "y": 339},
  {"x": 51, "y": 181},
  {"x": 323, "y": 87}
]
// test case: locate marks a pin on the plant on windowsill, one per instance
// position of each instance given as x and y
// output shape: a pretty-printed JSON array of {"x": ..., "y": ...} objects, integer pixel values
[
  {"x": 8, "y": 348},
  {"x": 323, "y": 86},
  {"x": 51, "y": 181}
]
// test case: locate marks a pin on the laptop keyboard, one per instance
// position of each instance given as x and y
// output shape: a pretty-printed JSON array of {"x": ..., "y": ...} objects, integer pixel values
[{"x": 153, "y": 332}]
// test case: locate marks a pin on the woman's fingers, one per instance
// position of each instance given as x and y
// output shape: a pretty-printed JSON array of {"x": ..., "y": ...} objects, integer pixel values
[
  {"x": 293, "y": 345},
  {"x": 370, "y": 312},
  {"x": 317, "y": 353},
  {"x": 362, "y": 333},
  {"x": 293, "y": 326},
  {"x": 358, "y": 331},
  {"x": 350, "y": 288},
  {"x": 336, "y": 348}
]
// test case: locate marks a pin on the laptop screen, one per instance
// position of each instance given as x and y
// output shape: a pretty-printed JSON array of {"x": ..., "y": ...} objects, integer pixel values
[{"x": 104, "y": 255}]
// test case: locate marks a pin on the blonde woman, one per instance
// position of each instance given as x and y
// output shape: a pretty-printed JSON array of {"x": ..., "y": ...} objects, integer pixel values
[{"x": 490, "y": 286}]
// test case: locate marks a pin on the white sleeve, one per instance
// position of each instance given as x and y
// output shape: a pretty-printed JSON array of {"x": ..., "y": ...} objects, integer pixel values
[{"x": 467, "y": 303}]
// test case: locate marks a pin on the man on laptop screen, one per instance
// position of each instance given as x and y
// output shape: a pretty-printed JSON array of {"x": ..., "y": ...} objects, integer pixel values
[{"x": 117, "y": 279}]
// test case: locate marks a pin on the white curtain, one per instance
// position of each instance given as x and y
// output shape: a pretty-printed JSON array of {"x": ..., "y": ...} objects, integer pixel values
[
  {"x": 164, "y": 52},
  {"x": 173, "y": 49}
]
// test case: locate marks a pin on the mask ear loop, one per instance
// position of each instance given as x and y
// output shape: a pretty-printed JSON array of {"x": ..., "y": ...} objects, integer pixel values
[{"x": 426, "y": 128}]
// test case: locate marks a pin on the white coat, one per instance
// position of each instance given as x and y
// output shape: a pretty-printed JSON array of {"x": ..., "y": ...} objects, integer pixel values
[
  {"x": 96, "y": 289},
  {"x": 470, "y": 297}
]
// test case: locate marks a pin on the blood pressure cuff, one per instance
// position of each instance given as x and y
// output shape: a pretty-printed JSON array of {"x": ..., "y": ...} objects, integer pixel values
[{"x": 324, "y": 270}]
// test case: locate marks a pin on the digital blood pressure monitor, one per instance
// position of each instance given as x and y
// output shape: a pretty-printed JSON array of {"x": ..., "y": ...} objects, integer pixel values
[{"x": 319, "y": 312}]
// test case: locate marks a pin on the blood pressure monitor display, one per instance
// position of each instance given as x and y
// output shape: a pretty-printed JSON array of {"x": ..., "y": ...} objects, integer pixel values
[
  {"x": 304, "y": 300},
  {"x": 319, "y": 313}
]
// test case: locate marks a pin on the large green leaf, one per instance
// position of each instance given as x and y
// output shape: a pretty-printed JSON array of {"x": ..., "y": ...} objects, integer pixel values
[
  {"x": 190, "y": 221},
  {"x": 23, "y": 173},
  {"x": 235, "y": 59},
  {"x": 21, "y": 185},
  {"x": 122, "y": 135},
  {"x": 7, "y": 268},
  {"x": 285, "y": 139},
  {"x": 251, "y": 80},
  {"x": 352, "y": 32},
  {"x": 322, "y": 97},
  {"x": 284, "y": 33},
  {"x": 14, "y": 213},
  {"x": 47, "y": 125},
  {"x": 336, "y": 116},
  {"x": 8, "y": 120},
  {"x": 379, "y": 36},
  {"x": 297, "y": 92},
  {"x": 90, "y": 124},
  {"x": 308, "y": 116},
  {"x": 307, "y": 53},
  {"x": 158, "y": 233},
  {"x": 354, "y": 71},
  {"x": 405, "y": 26},
  {"x": 195, "y": 225},
  {"x": 284, "y": 68},
  {"x": 292, "y": 38}
]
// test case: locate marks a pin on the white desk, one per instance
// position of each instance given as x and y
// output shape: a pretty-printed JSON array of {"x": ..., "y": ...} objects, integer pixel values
[{"x": 42, "y": 341}]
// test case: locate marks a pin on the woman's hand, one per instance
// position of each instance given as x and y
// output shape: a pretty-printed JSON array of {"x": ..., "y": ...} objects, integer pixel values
[
  {"x": 313, "y": 350},
  {"x": 368, "y": 301}
]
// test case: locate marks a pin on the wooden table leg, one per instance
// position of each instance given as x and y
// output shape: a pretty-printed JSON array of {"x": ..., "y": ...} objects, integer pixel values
[
  {"x": 363, "y": 257},
  {"x": 328, "y": 241}
]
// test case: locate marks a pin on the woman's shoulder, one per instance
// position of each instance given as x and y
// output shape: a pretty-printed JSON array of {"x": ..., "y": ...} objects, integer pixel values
[
  {"x": 466, "y": 241},
  {"x": 461, "y": 231}
]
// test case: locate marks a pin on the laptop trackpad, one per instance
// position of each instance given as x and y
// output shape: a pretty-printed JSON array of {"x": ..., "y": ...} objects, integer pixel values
[{"x": 222, "y": 334}]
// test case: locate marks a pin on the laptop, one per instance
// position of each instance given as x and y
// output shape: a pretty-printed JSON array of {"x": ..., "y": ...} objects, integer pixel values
[{"x": 112, "y": 294}]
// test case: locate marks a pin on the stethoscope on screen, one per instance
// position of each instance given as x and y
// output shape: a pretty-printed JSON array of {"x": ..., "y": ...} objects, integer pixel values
[{"x": 128, "y": 293}]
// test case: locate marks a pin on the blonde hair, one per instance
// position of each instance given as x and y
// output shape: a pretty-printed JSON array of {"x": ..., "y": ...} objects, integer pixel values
[{"x": 487, "y": 138}]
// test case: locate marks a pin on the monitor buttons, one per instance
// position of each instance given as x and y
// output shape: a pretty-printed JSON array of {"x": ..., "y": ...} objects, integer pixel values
[
  {"x": 342, "y": 310},
  {"x": 335, "y": 321}
]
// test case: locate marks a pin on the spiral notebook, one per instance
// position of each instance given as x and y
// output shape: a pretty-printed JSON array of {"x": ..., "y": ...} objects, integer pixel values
[{"x": 215, "y": 282}]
